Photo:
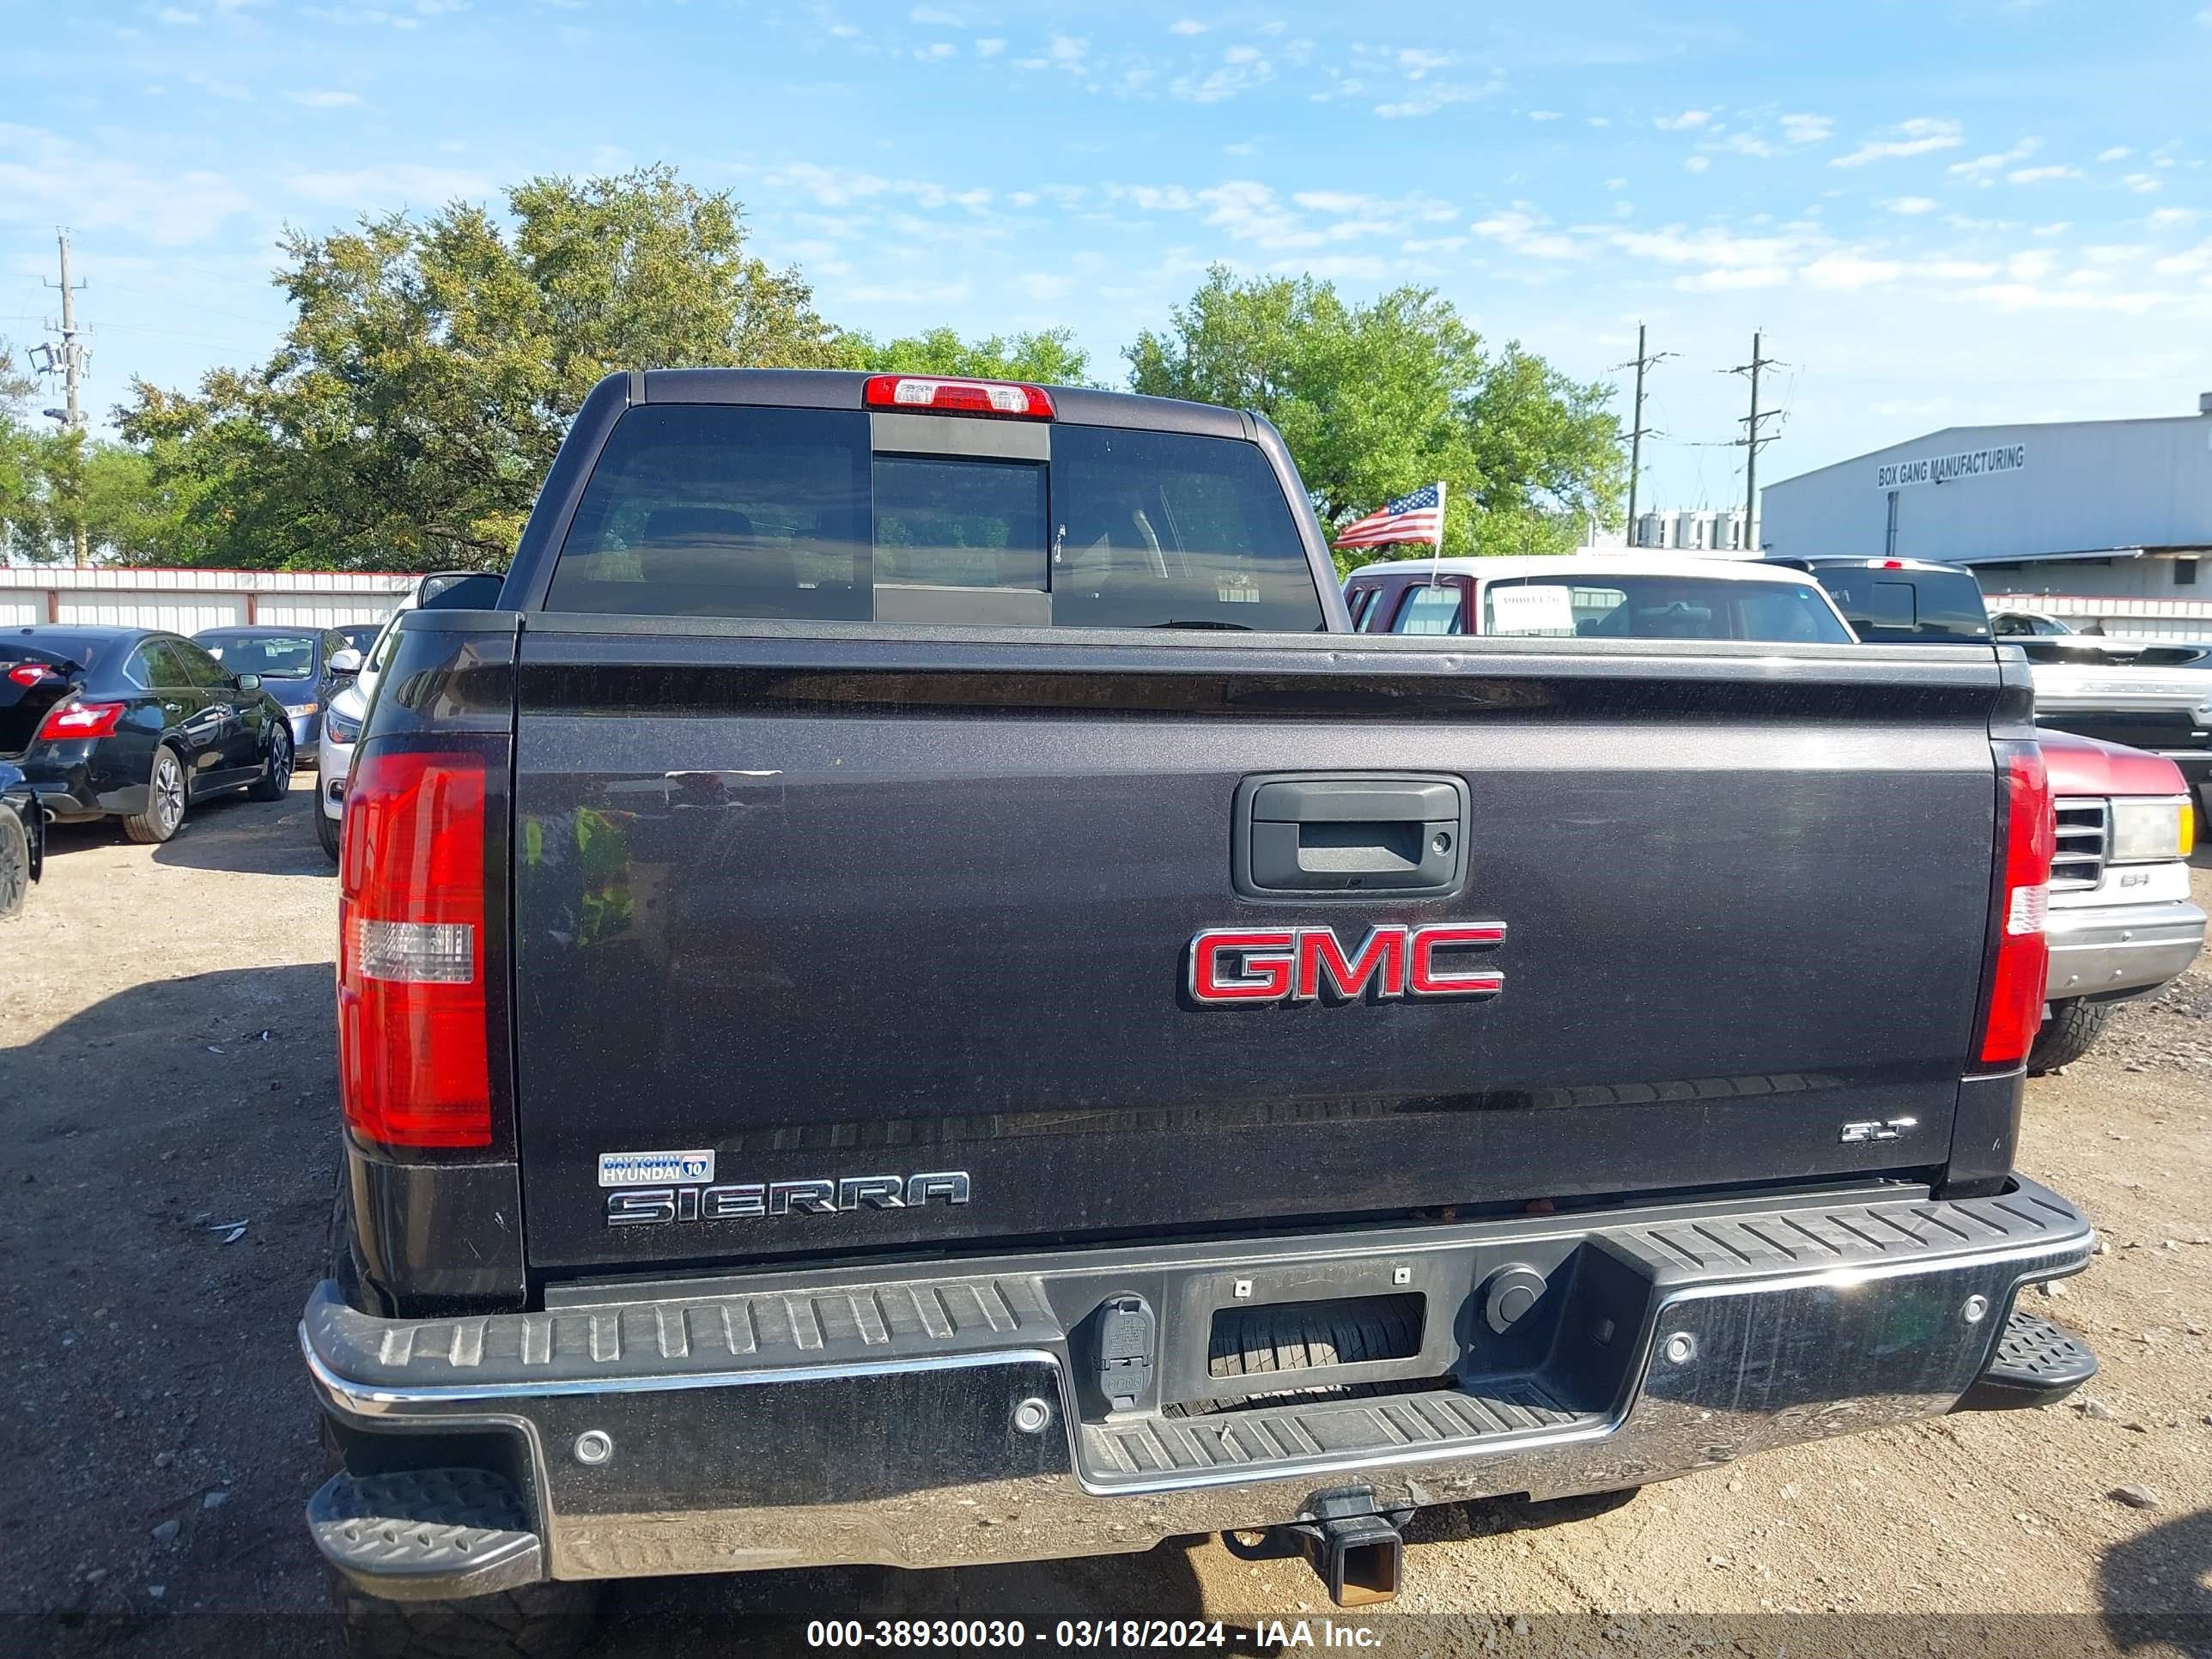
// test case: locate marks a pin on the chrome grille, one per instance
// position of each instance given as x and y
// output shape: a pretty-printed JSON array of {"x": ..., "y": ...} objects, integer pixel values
[{"x": 2084, "y": 838}]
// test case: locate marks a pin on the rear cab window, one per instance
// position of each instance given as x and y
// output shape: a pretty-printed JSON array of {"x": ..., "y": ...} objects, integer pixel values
[
  {"x": 712, "y": 510},
  {"x": 1924, "y": 607},
  {"x": 1630, "y": 607}
]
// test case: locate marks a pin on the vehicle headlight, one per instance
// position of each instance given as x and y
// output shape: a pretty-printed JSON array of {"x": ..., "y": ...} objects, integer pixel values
[
  {"x": 298, "y": 709},
  {"x": 339, "y": 728},
  {"x": 2156, "y": 827}
]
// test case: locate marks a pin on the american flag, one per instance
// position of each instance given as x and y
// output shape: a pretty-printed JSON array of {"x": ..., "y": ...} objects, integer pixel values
[{"x": 1419, "y": 517}]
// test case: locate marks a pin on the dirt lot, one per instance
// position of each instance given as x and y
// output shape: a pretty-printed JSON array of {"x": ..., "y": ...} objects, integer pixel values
[{"x": 166, "y": 1072}]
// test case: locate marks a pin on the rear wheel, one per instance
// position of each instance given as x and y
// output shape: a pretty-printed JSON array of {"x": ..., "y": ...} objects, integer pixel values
[
  {"x": 15, "y": 864},
  {"x": 165, "y": 801},
  {"x": 2068, "y": 1032},
  {"x": 277, "y": 771},
  {"x": 326, "y": 831}
]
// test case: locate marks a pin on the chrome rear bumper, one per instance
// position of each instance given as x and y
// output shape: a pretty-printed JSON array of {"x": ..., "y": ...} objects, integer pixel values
[{"x": 922, "y": 1419}]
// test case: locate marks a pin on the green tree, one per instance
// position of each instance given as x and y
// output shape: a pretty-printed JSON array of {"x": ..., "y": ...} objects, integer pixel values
[
  {"x": 432, "y": 367},
  {"x": 1375, "y": 400},
  {"x": 1050, "y": 358}
]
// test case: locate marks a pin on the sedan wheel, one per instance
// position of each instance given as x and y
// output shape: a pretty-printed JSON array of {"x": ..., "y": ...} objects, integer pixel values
[
  {"x": 165, "y": 801},
  {"x": 276, "y": 777}
]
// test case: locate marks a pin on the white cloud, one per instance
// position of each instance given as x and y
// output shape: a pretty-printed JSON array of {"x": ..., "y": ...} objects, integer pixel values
[
  {"x": 2117, "y": 153},
  {"x": 1687, "y": 121},
  {"x": 1746, "y": 276},
  {"x": 1241, "y": 69},
  {"x": 1186, "y": 25},
  {"x": 324, "y": 98},
  {"x": 2038, "y": 175},
  {"x": 1806, "y": 129},
  {"x": 1985, "y": 167},
  {"x": 1523, "y": 231},
  {"x": 46, "y": 179},
  {"x": 1917, "y": 136},
  {"x": 1423, "y": 100},
  {"x": 1543, "y": 115},
  {"x": 402, "y": 184},
  {"x": 1417, "y": 63},
  {"x": 176, "y": 16},
  {"x": 1911, "y": 204},
  {"x": 933, "y": 17},
  {"x": 936, "y": 50},
  {"x": 2142, "y": 183},
  {"x": 989, "y": 46},
  {"x": 2170, "y": 218},
  {"x": 1697, "y": 163},
  {"x": 1848, "y": 271}
]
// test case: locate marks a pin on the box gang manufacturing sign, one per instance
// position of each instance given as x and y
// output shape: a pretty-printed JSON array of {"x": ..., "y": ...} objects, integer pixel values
[{"x": 1949, "y": 469}]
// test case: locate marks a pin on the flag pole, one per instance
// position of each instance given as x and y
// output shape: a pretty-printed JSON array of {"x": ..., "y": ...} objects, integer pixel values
[{"x": 1437, "y": 547}]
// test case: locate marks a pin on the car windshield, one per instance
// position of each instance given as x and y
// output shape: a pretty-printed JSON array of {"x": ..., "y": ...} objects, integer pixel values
[
  {"x": 272, "y": 656},
  {"x": 1625, "y": 607}
]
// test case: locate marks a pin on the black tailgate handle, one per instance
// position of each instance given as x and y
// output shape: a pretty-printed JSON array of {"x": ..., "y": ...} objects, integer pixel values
[{"x": 1300, "y": 835}]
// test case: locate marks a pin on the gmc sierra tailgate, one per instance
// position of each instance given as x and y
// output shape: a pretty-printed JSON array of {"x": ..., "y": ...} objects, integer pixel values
[{"x": 804, "y": 914}]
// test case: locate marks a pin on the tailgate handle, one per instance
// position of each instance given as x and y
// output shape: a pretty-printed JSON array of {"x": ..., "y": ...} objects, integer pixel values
[{"x": 1308, "y": 835}]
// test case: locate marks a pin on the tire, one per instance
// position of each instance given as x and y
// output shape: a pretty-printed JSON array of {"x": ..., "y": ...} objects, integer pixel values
[
  {"x": 15, "y": 865},
  {"x": 275, "y": 779},
  {"x": 326, "y": 831},
  {"x": 168, "y": 795},
  {"x": 2067, "y": 1035},
  {"x": 538, "y": 1622}
]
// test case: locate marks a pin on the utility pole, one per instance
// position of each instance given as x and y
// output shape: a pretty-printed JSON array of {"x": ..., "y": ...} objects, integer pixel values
[
  {"x": 1753, "y": 440},
  {"x": 1637, "y": 432},
  {"x": 68, "y": 359}
]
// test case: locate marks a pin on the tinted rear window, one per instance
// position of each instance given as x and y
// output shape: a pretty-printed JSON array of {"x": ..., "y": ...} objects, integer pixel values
[
  {"x": 1658, "y": 608},
  {"x": 705, "y": 511},
  {"x": 52, "y": 648},
  {"x": 1932, "y": 607}
]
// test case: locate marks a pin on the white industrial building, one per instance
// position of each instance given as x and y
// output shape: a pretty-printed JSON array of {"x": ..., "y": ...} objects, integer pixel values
[
  {"x": 186, "y": 601},
  {"x": 2108, "y": 521}
]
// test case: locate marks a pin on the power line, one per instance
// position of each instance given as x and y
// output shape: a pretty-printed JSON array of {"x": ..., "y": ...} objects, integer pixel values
[
  {"x": 1753, "y": 439},
  {"x": 67, "y": 355},
  {"x": 1637, "y": 432}
]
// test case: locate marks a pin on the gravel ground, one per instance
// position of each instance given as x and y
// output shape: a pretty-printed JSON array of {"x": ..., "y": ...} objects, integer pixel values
[{"x": 167, "y": 1070}]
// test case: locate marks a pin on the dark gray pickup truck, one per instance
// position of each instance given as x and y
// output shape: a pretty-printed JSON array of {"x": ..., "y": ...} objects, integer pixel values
[{"x": 913, "y": 996}]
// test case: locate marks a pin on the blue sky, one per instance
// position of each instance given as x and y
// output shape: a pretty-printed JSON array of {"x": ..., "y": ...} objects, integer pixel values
[{"x": 1939, "y": 212}]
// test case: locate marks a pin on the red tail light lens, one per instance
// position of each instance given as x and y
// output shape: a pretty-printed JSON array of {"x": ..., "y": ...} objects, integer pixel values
[
  {"x": 931, "y": 394},
  {"x": 78, "y": 719},
  {"x": 414, "y": 1062},
  {"x": 2017, "y": 978},
  {"x": 28, "y": 673}
]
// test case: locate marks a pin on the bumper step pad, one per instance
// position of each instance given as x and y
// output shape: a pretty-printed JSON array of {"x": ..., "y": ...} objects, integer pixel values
[
  {"x": 2037, "y": 1362},
  {"x": 427, "y": 1534}
]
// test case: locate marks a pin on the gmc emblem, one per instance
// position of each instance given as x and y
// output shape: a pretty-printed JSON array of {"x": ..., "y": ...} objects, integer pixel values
[{"x": 1302, "y": 965}]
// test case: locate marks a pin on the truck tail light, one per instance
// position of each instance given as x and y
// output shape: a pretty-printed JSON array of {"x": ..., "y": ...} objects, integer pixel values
[
  {"x": 76, "y": 717},
  {"x": 2022, "y": 959},
  {"x": 936, "y": 395},
  {"x": 414, "y": 1043}
]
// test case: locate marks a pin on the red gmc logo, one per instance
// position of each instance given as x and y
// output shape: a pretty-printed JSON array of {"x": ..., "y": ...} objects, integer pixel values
[{"x": 1292, "y": 964}]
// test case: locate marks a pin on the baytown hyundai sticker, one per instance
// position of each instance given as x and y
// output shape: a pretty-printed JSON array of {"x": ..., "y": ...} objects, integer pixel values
[{"x": 654, "y": 1168}]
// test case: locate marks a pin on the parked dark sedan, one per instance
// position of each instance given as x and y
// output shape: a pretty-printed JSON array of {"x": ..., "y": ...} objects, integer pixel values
[
  {"x": 135, "y": 724},
  {"x": 22, "y": 840},
  {"x": 294, "y": 666}
]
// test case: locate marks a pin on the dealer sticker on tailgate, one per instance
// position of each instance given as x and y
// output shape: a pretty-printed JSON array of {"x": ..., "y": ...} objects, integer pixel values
[{"x": 654, "y": 1168}]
